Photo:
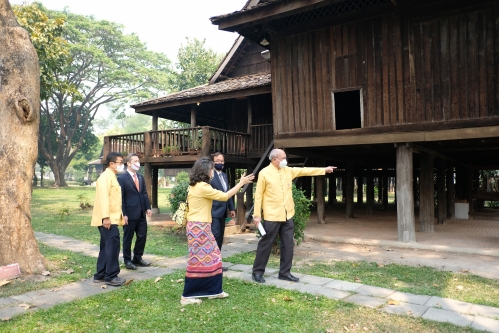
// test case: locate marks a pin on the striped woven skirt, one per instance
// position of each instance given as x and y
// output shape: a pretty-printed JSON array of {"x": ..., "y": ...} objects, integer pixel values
[{"x": 204, "y": 266}]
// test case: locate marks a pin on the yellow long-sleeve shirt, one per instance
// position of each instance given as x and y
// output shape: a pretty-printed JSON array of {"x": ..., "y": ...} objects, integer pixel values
[
  {"x": 108, "y": 200},
  {"x": 273, "y": 195},
  {"x": 200, "y": 199}
]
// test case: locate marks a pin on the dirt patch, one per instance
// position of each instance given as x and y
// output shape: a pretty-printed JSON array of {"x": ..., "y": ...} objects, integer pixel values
[{"x": 486, "y": 266}]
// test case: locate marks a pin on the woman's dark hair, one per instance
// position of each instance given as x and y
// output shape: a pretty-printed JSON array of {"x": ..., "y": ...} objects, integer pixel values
[{"x": 200, "y": 172}]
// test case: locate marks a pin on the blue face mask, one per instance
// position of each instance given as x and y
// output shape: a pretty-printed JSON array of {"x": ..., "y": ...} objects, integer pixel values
[{"x": 219, "y": 166}]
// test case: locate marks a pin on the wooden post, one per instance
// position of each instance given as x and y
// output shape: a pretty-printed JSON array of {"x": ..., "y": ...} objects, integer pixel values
[
  {"x": 249, "y": 191},
  {"x": 232, "y": 180},
  {"x": 380, "y": 188},
  {"x": 349, "y": 195},
  {"x": 369, "y": 191},
  {"x": 154, "y": 125},
  {"x": 249, "y": 124},
  {"x": 468, "y": 191},
  {"x": 450, "y": 190},
  {"x": 320, "y": 194},
  {"x": 359, "y": 181},
  {"x": 154, "y": 191},
  {"x": 332, "y": 190},
  {"x": 343, "y": 183},
  {"x": 106, "y": 149},
  {"x": 205, "y": 146},
  {"x": 404, "y": 189},
  {"x": 148, "y": 149},
  {"x": 441, "y": 191},
  {"x": 193, "y": 115},
  {"x": 426, "y": 211},
  {"x": 148, "y": 178},
  {"x": 240, "y": 210},
  {"x": 385, "y": 192}
]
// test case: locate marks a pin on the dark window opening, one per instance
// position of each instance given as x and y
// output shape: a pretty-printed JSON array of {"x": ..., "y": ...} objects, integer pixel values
[{"x": 347, "y": 109}]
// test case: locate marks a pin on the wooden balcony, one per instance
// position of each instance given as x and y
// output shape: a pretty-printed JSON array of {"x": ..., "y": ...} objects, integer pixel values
[{"x": 179, "y": 145}]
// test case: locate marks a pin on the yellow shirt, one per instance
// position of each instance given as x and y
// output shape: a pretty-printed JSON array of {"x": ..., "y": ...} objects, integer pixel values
[
  {"x": 108, "y": 200},
  {"x": 200, "y": 199},
  {"x": 273, "y": 195}
]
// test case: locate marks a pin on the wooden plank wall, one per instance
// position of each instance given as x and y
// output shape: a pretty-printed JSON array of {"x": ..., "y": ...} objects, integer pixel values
[
  {"x": 251, "y": 62},
  {"x": 411, "y": 70}
]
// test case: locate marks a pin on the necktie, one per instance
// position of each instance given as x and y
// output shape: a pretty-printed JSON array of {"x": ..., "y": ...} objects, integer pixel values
[
  {"x": 136, "y": 181},
  {"x": 222, "y": 182}
]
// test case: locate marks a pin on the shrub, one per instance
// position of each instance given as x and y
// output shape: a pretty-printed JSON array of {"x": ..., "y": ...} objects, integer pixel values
[
  {"x": 181, "y": 177},
  {"x": 178, "y": 194}
]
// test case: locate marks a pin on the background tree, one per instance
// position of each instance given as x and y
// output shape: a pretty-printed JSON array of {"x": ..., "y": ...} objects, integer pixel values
[
  {"x": 196, "y": 64},
  {"x": 107, "y": 68}
]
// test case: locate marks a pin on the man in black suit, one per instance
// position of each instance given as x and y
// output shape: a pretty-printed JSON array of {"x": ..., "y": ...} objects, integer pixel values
[
  {"x": 219, "y": 208},
  {"x": 135, "y": 206}
]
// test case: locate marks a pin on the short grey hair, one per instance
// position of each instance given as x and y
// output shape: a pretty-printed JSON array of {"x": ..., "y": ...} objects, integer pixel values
[
  {"x": 129, "y": 157},
  {"x": 273, "y": 154}
]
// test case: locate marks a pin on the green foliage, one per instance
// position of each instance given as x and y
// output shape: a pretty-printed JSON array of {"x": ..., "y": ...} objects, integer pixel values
[
  {"x": 106, "y": 67},
  {"x": 62, "y": 212},
  {"x": 178, "y": 194},
  {"x": 47, "y": 36},
  {"x": 181, "y": 177},
  {"x": 302, "y": 213},
  {"x": 196, "y": 64}
]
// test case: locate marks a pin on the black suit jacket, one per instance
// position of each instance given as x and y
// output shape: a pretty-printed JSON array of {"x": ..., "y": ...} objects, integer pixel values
[
  {"x": 219, "y": 208},
  {"x": 134, "y": 203}
]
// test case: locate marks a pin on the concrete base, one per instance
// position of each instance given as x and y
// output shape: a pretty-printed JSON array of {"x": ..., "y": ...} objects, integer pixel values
[
  {"x": 461, "y": 210},
  {"x": 155, "y": 210}
]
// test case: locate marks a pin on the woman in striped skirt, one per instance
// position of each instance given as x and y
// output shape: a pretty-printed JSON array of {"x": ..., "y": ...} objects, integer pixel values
[{"x": 204, "y": 266}]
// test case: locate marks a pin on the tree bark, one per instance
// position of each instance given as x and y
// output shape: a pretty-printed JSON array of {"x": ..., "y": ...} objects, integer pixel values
[{"x": 19, "y": 111}]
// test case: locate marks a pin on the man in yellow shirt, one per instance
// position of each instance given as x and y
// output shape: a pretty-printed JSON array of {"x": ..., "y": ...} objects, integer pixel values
[
  {"x": 274, "y": 208},
  {"x": 107, "y": 216}
]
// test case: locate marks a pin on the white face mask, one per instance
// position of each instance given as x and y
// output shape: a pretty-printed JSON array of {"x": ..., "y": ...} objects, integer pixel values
[
  {"x": 120, "y": 168},
  {"x": 136, "y": 167},
  {"x": 283, "y": 163}
]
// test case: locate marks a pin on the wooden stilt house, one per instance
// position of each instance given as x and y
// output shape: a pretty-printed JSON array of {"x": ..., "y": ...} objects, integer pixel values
[{"x": 389, "y": 87}]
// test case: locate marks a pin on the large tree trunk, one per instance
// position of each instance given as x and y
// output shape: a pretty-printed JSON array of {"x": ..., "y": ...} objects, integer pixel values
[{"x": 19, "y": 111}]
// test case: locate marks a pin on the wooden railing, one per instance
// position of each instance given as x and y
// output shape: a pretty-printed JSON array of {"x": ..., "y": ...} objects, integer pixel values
[
  {"x": 261, "y": 136},
  {"x": 183, "y": 141}
]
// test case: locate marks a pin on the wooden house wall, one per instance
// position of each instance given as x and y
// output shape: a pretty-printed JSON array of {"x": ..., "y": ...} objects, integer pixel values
[
  {"x": 251, "y": 62},
  {"x": 411, "y": 70}
]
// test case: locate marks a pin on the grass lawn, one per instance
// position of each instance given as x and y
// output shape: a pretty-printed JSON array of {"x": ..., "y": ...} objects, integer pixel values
[
  {"x": 416, "y": 280},
  {"x": 147, "y": 306},
  {"x": 64, "y": 267},
  {"x": 57, "y": 211}
]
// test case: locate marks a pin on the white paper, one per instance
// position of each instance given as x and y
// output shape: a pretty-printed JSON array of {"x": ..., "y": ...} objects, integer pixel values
[{"x": 261, "y": 229}]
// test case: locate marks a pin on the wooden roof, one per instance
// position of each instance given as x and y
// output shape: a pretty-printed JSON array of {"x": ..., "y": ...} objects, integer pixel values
[{"x": 207, "y": 92}]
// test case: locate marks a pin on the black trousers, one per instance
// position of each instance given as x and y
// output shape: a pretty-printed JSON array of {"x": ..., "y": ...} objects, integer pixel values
[
  {"x": 218, "y": 227},
  {"x": 140, "y": 229},
  {"x": 285, "y": 230},
  {"x": 108, "y": 265}
]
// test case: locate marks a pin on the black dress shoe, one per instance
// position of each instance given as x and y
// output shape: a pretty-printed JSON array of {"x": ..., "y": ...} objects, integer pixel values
[
  {"x": 258, "y": 278},
  {"x": 130, "y": 265},
  {"x": 141, "y": 263},
  {"x": 117, "y": 282},
  {"x": 225, "y": 269},
  {"x": 288, "y": 277}
]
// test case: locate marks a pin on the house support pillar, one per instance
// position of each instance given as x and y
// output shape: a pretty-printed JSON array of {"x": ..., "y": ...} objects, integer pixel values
[
  {"x": 148, "y": 178},
  {"x": 320, "y": 194},
  {"x": 385, "y": 191},
  {"x": 349, "y": 189},
  {"x": 154, "y": 125},
  {"x": 426, "y": 211},
  {"x": 450, "y": 190},
  {"x": 441, "y": 191},
  {"x": 306, "y": 186},
  {"x": 369, "y": 191},
  {"x": 359, "y": 181},
  {"x": 404, "y": 190},
  {"x": 332, "y": 190}
]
